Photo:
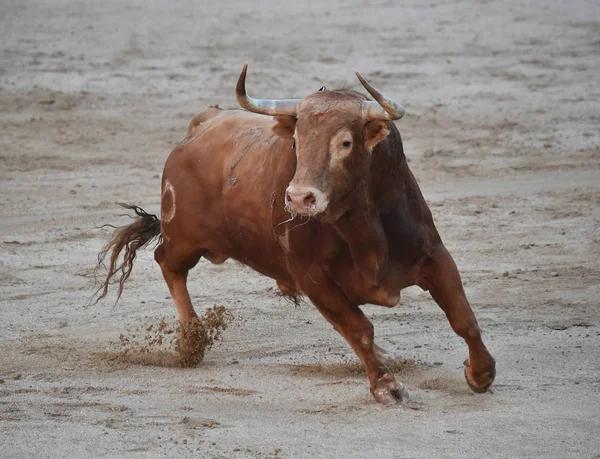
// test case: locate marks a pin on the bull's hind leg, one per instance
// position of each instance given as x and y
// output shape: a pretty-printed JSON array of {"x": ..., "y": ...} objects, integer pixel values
[
  {"x": 175, "y": 267},
  {"x": 440, "y": 276}
]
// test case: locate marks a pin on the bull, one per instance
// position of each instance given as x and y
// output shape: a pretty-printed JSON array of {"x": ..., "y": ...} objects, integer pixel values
[{"x": 317, "y": 196}]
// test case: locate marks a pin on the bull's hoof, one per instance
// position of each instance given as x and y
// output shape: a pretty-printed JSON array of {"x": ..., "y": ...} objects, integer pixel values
[
  {"x": 388, "y": 392},
  {"x": 191, "y": 343},
  {"x": 480, "y": 381}
]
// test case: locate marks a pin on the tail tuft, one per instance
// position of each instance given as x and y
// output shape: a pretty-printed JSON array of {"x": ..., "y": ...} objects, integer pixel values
[{"x": 127, "y": 239}]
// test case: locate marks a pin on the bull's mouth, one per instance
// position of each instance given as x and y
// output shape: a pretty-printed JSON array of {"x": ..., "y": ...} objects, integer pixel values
[
  {"x": 309, "y": 208},
  {"x": 303, "y": 211}
]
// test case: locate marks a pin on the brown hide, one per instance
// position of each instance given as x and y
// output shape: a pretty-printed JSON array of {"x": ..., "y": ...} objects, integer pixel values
[
  {"x": 224, "y": 196},
  {"x": 229, "y": 176}
]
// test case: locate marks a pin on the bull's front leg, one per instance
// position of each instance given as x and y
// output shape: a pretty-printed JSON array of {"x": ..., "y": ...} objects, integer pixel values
[
  {"x": 353, "y": 325},
  {"x": 440, "y": 276}
]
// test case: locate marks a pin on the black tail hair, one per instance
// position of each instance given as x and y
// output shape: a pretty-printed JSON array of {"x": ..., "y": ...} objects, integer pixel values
[{"x": 129, "y": 238}]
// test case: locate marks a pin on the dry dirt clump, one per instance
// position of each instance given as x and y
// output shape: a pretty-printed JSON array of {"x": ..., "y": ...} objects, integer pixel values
[
  {"x": 199, "y": 334},
  {"x": 168, "y": 344}
]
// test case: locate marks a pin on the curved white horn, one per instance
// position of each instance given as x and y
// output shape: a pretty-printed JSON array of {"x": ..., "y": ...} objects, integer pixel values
[{"x": 264, "y": 106}]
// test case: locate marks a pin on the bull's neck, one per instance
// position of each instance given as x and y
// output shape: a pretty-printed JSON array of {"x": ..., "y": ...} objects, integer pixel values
[
  {"x": 361, "y": 226},
  {"x": 388, "y": 171}
]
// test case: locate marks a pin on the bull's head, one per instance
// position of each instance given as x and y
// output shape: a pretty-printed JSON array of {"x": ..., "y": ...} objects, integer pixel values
[{"x": 334, "y": 133}]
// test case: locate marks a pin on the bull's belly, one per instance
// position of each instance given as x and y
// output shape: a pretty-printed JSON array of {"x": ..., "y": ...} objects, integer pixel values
[
  {"x": 251, "y": 246},
  {"x": 255, "y": 236}
]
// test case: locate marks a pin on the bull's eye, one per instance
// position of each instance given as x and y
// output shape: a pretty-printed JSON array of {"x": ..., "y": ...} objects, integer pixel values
[{"x": 346, "y": 144}]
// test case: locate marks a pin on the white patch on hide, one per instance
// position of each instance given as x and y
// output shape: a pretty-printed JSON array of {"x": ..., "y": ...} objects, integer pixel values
[{"x": 168, "y": 194}]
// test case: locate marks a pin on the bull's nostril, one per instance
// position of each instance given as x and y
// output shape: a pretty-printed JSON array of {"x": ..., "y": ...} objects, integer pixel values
[
  {"x": 310, "y": 200},
  {"x": 288, "y": 198}
]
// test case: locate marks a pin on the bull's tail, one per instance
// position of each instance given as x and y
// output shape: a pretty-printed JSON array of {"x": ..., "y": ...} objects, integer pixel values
[{"x": 127, "y": 239}]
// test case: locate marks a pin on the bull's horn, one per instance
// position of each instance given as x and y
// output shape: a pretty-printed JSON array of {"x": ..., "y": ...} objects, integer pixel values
[
  {"x": 384, "y": 109},
  {"x": 264, "y": 106}
]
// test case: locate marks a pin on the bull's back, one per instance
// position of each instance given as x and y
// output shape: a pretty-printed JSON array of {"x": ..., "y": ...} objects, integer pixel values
[{"x": 231, "y": 172}]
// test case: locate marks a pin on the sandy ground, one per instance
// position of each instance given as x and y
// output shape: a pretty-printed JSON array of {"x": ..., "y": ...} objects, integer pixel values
[{"x": 502, "y": 132}]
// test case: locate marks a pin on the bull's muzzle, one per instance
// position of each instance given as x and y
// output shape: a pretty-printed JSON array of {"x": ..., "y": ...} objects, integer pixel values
[{"x": 305, "y": 200}]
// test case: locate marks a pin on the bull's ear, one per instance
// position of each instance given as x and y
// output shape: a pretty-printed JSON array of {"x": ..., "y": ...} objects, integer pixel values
[
  {"x": 375, "y": 132},
  {"x": 285, "y": 126}
]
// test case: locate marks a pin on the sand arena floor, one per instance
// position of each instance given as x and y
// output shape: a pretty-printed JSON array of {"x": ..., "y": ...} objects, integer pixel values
[{"x": 502, "y": 133}]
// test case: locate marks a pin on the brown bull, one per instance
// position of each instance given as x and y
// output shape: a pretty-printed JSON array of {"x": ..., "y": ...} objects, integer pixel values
[{"x": 321, "y": 199}]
